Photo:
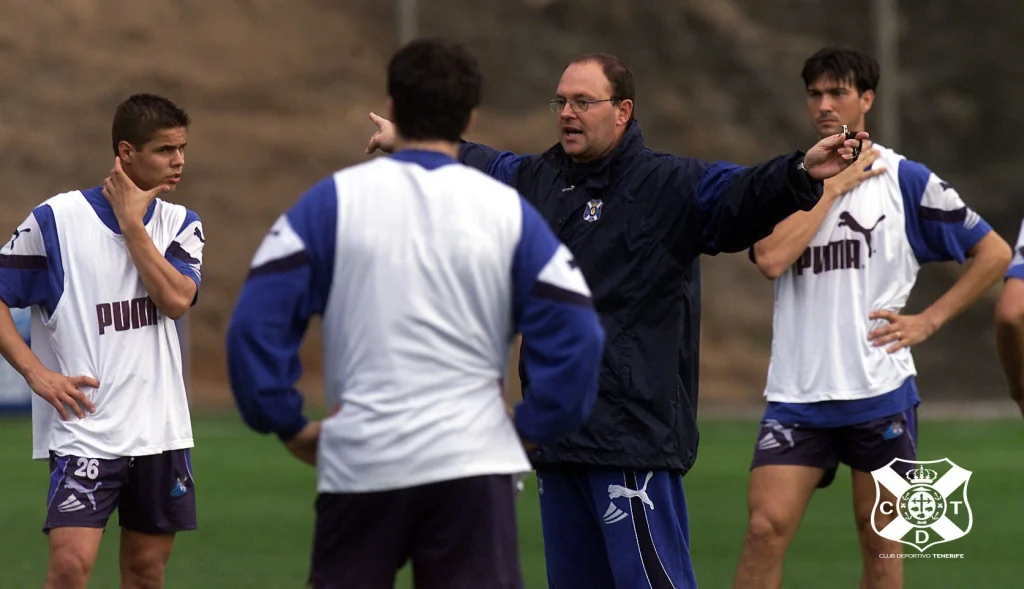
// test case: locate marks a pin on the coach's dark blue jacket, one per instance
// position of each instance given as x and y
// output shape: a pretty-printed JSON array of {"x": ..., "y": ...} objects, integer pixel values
[{"x": 636, "y": 222}]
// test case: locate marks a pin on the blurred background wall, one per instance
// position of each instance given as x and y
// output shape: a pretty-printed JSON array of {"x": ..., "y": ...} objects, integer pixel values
[{"x": 279, "y": 92}]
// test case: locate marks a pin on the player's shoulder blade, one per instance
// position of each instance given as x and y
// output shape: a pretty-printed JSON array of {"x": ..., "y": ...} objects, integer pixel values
[
  {"x": 64, "y": 198},
  {"x": 382, "y": 168},
  {"x": 481, "y": 184}
]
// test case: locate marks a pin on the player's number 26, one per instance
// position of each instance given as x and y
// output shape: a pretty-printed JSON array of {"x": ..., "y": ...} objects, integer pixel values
[{"x": 88, "y": 467}]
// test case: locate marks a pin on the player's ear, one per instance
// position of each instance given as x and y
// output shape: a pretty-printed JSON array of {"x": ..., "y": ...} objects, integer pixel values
[
  {"x": 391, "y": 109},
  {"x": 470, "y": 123},
  {"x": 867, "y": 98},
  {"x": 125, "y": 151},
  {"x": 624, "y": 110}
]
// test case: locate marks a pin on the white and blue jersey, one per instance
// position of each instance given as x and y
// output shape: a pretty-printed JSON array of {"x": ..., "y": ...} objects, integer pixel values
[
  {"x": 824, "y": 372},
  {"x": 92, "y": 316},
  {"x": 423, "y": 270}
]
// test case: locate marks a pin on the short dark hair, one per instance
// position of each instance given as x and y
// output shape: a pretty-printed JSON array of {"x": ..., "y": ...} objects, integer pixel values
[
  {"x": 435, "y": 85},
  {"x": 842, "y": 65},
  {"x": 141, "y": 116}
]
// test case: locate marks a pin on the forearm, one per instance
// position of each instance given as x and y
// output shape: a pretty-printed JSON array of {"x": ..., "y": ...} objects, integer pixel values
[
  {"x": 985, "y": 270},
  {"x": 13, "y": 348},
  {"x": 780, "y": 250},
  {"x": 500, "y": 165},
  {"x": 744, "y": 205},
  {"x": 170, "y": 290}
]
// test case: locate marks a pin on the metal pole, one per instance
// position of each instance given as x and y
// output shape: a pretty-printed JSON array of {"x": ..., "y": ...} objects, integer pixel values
[
  {"x": 886, "y": 14},
  {"x": 406, "y": 21}
]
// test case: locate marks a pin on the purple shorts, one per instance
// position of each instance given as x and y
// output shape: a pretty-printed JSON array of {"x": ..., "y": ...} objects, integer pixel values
[
  {"x": 459, "y": 534},
  {"x": 152, "y": 494},
  {"x": 863, "y": 446}
]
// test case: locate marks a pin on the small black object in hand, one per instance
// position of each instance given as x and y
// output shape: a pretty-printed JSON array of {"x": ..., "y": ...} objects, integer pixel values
[{"x": 853, "y": 135}]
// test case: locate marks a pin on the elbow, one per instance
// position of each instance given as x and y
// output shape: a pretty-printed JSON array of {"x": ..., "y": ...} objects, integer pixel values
[
  {"x": 176, "y": 312},
  {"x": 176, "y": 301},
  {"x": 1005, "y": 251},
  {"x": 266, "y": 418},
  {"x": 770, "y": 268},
  {"x": 995, "y": 255},
  {"x": 770, "y": 265},
  {"x": 771, "y": 272},
  {"x": 270, "y": 411},
  {"x": 174, "y": 306},
  {"x": 999, "y": 256},
  {"x": 1006, "y": 258}
]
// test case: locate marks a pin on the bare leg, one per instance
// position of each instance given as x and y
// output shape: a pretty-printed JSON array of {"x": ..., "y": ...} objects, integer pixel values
[
  {"x": 777, "y": 499},
  {"x": 72, "y": 556},
  {"x": 144, "y": 558},
  {"x": 879, "y": 573}
]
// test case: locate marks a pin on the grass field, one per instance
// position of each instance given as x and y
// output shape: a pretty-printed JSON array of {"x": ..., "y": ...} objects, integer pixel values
[{"x": 255, "y": 510}]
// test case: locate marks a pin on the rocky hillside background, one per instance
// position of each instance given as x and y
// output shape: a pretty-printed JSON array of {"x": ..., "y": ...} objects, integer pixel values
[{"x": 279, "y": 91}]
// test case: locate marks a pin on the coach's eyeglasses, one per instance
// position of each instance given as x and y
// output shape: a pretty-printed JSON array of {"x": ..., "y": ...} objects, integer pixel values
[{"x": 577, "y": 105}]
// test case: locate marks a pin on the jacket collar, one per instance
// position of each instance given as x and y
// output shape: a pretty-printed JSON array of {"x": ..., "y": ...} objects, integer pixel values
[{"x": 597, "y": 173}]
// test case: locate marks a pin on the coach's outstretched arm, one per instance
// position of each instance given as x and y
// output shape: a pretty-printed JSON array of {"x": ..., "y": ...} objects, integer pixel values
[
  {"x": 563, "y": 340},
  {"x": 289, "y": 280},
  {"x": 738, "y": 206}
]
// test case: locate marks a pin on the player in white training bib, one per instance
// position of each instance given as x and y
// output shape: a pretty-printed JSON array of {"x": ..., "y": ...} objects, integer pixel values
[
  {"x": 423, "y": 270},
  {"x": 840, "y": 386},
  {"x": 106, "y": 271}
]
